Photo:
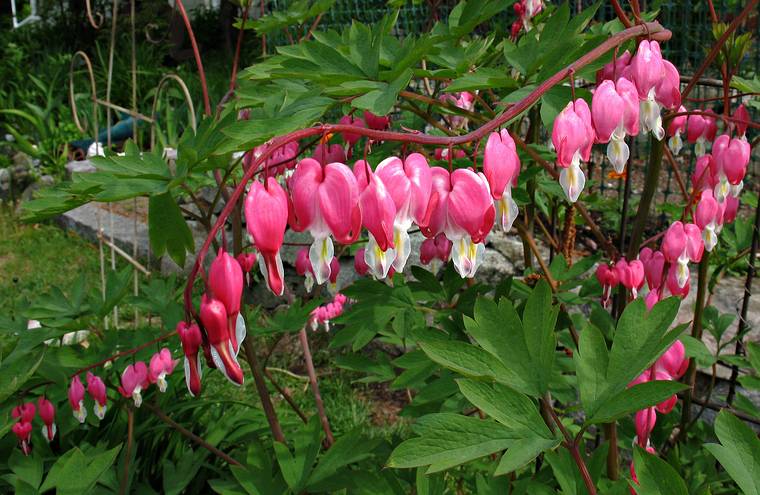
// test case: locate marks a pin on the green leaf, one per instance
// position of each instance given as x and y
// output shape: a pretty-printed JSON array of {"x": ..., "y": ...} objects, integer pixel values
[
  {"x": 76, "y": 472},
  {"x": 698, "y": 350},
  {"x": 16, "y": 372},
  {"x": 507, "y": 406},
  {"x": 483, "y": 78},
  {"x": 539, "y": 319},
  {"x": 27, "y": 468},
  {"x": 656, "y": 477},
  {"x": 523, "y": 452},
  {"x": 381, "y": 101},
  {"x": 297, "y": 466},
  {"x": 738, "y": 453},
  {"x": 635, "y": 398},
  {"x": 447, "y": 440},
  {"x": 168, "y": 230},
  {"x": 591, "y": 362},
  {"x": 463, "y": 358},
  {"x": 348, "y": 449}
]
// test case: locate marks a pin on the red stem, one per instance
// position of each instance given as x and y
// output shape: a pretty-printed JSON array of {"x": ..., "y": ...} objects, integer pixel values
[
  {"x": 198, "y": 61},
  {"x": 235, "y": 61},
  {"x": 118, "y": 355},
  {"x": 654, "y": 29},
  {"x": 621, "y": 14},
  {"x": 315, "y": 387}
]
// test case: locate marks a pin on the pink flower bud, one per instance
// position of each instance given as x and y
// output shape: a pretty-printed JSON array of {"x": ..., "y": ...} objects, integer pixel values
[
  {"x": 76, "y": 399},
  {"x": 134, "y": 380},
  {"x": 266, "y": 216},
  {"x": 325, "y": 154},
  {"x": 741, "y": 120},
  {"x": 376, "y": 122},
  {"x": 97, "y": 390},
  {"x": 47, "y": 415},
  {"x": 246, "y": 261},
  {"x": 360, "y": 265},
  {"x": 351, "y": 137},
  {"x": 214, "y": 318},
  {"x": 23, "y": 432},
  {"x": 24, "y": 412},
  {"x": 191, "y": 338}
]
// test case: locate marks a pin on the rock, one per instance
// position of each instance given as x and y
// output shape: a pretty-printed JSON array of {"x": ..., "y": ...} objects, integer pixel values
[{"x": 79, "y": 167}]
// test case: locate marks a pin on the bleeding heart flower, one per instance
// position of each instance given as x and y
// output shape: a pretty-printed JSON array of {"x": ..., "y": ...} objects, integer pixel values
[
  {"x": 332, "y": 286},
  {"x": 668, "y": 90},
  {"x": 700, "y": 130},
  {"x": 673, "y": 361},
  {"x": 438, "y": 206},
  {"x": 76, "y": 399},
  {"x": 134, "y": 379},
  {"x": 192, "y": 339},
  {"x": 675, "y": 276},
  {"x": 25, "y": 412},
  {"x": 23, "y": 432},
  {"x": 97, "y": 390},
  {"x": 266, "y": 217},
  {"x": 730, "y": 157},
  {"x": 360, "y": 265},
  {"x": 654, "y": 266},
  {"x": 645, "y": 421},
  {"x": 630, "y": 274},
  {"x": 741, "y": 121},
  {"x": 647, "y": 68},
  {"x": 614, "y": 69},
  {"x": 501, "y": 166},
  {"x": 409, "y": 184},
  {"x": 681, "y": 244},
  {"x": 653, "y": 297},
  {"x": 225, "y": 280},
  {"x": 437, "y": 249},
  {"x": 351, "y": 137},
  {"x": 615, "y": 114},
  {"x": 704, "y": 176},
  {"x": 608, "y": 279},
  {"x": 469, "y": 218},
  {"x": 376, "y": 122},
  {"x": 246, "y": 261},
  {"x": 572, "y": 136},
  {"x": 214, "y": 318},
  {"x": 281, "y": 160},
  {"x": 708, "y": 217},
  {"x": 675, "y": 128},
  {"x": 304, "y": 269},
  {"x": 47, "y": 415},
  {"x": 324, "y": 154},
  {"x": 325, "y": 202},
  {"x": 378, "y": 212},
  {"x": 161, "y": 364},
  {"x": 731, "y": 206}
]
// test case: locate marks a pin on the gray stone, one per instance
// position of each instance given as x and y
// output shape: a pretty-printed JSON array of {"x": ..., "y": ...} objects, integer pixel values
[{"x": 79, "y": 167}]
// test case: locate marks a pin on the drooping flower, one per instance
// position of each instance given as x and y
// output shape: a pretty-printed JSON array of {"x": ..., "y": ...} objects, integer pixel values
[
  {"x": 246, "y": 261},
  {"x": 161, "y": 364},
  {"x": 572, "y": 136},
  {"x": 332, "y": 285},
  {"x": 469, "y": 217},
  {"x": 615, "y": 114},
  {"x": 266, "y": 217},
  {"x": 76, "y": 399},
  {"x": 614, "y": 69},
  {"x": 333, "y": 153},
  {"x": 703, "y": 177},
  {"x": 673, "y": 361},
  {"x": 673, "y": 281},
  {"x": 225, "y": 280},
  {"x": 647, "y": 71},
  {"x": 501, "y": 166},
  {"x": 668, "y": 90},
  {"x": 47, "y": 415},
  {"x": 379, "y": 123},
  {"x": 741, "y": 121},
  {"x": 645, "y": 421},
  {"x": 304, "y": 269},
  {"x": 675, "y": 128},
  {"x": 408, "y": 183},
  {"x": 351, "y": 137},
  {"x": 730, "y": 158},
  {"x": 654, "y": 266},
  {"x": 25, "y": 412},
  {"x": 191, "y": 338},
  {"x": 97, "y": 390},
  {"x": 608, "y": 279},
  {"x": 435, "y": 250},
  {"x": 326, "y": 203},
  {"x": 360, "y": 265},
  {"x": 323, "y": 314},
  {"x": 134, "y": 379},
  {"x": 23, "y": 432},
  {"x": 378, "y": 212},
  {"x": 278, "y": 163},
  {"x": 682, "y": 243},
  {"x": 709, "y": 217},
  {"x": 700, "y": 130},
  {"x": 731, "y": 206},
  {"x": 630, "y": 274},
  {"x": 653, "y": 297},
  {"x": 214, "y": 318}
]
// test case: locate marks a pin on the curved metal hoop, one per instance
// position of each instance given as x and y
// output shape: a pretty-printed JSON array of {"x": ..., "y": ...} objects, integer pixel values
[
  {"x": 186, "y": 93},
  {"x": 91, "y": 18},
  {"x": 93, "y": 93}
]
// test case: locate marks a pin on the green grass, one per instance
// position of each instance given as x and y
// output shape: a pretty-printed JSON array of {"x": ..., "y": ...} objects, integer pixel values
[{"x": 34, "y": 258}]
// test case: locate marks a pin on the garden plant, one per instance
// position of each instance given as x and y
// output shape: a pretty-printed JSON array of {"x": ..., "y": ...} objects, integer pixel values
[{"x": 576, "y": 373}]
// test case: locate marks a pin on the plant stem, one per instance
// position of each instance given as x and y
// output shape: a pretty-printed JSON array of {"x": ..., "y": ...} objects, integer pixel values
[
  {"x": 696, "y": 332},
  {"x": 261, "y": 388},
  {"x": 315, "y": 386},
  {"x": 197, "y": 54},
  {"x": 189, "y": 434},
  {"x": 128, "y": 453},
  {"x": 613, "y": 462},
  {"x": 652, "y": 178},
  {"x": 745, "y": 304},
  {"x": 285, "y": 395},
  {"x": 569, "y": 443}
]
